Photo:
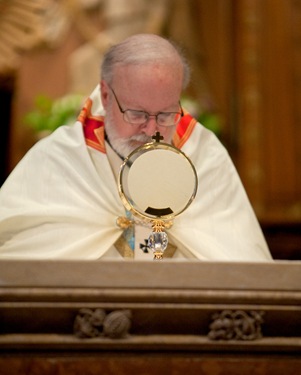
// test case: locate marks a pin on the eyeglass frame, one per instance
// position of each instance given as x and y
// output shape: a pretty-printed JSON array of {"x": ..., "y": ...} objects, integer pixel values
[{"x": 123, "y": 111}]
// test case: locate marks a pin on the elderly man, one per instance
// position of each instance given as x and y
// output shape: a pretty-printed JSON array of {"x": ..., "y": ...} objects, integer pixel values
[{"x": 62, "y": 201}]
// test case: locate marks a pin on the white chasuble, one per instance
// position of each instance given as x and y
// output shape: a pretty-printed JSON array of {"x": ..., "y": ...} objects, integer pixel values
[{"x": 62, "y": 200}]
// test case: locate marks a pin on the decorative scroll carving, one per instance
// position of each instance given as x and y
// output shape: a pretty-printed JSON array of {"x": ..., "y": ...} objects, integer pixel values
[
  {"x": 236, "y": 325},
  {"x": 21, "y": 28},
  {"x": 90, "y": 323}
]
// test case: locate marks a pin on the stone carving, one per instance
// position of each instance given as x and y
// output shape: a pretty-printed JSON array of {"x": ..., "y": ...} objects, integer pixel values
[
  {"x": 90, "y": 323},
  {"x": 236, "y": 325}
]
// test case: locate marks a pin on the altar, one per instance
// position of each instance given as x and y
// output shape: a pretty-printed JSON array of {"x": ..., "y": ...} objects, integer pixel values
[{"x": 166, "y": 317}]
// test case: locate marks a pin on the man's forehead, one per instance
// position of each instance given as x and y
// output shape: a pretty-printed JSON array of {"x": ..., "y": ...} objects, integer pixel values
[{"x": 168, "y": 70}]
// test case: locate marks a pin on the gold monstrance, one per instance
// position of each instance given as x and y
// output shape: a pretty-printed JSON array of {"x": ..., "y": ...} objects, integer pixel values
[{"x": 157, "y": 182}]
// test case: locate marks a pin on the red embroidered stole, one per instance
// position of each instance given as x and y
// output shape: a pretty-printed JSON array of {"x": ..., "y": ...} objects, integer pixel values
[{"x": 93, "y": 128}]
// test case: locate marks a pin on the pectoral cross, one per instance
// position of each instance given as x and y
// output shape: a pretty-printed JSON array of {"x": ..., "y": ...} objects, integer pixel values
[{"x": 157, "y": 137}]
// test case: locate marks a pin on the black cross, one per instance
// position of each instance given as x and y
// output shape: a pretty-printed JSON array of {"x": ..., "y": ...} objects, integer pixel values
[
  {"x": 157, "y": 137},
  {"x": 144, "y": 247}
]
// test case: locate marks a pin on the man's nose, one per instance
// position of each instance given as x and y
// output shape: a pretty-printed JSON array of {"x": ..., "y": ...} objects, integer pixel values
[{"x": 150, "y": 127}]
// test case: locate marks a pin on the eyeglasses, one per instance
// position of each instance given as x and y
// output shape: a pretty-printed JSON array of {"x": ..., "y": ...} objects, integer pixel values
[{"x": 136, "y": 117}]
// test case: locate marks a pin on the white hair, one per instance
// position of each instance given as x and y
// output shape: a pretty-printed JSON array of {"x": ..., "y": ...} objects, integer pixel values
[{"x": 140, "y": 49}]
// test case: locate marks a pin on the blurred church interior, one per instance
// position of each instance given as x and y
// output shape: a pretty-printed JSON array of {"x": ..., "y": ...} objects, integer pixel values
[{"x": 246, "y": 72}]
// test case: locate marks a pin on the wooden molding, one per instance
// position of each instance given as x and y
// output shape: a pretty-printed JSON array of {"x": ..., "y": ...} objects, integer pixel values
[{"x": 172, "y": 305}]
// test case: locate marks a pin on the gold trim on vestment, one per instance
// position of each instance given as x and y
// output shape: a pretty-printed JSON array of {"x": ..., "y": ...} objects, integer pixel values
[{"x": 125, "y": 250}]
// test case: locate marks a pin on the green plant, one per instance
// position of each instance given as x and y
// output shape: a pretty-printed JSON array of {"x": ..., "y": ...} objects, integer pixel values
[
  {"x": 49, "y": 113},
  {"x": 211, "y": 120}
]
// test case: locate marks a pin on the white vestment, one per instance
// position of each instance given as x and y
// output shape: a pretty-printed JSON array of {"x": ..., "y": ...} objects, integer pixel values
[{"x": 61, "y": 202}]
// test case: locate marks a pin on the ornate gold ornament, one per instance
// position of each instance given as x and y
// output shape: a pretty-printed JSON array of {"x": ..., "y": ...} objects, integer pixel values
[{"x": 157, "y": 182}]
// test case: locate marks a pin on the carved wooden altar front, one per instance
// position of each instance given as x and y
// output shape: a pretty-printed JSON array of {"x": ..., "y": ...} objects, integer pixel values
[{"x": 149, "y": 317}]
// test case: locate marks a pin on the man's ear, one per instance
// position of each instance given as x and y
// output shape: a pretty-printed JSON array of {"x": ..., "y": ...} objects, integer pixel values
[{"x": 104, "y": 93}]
